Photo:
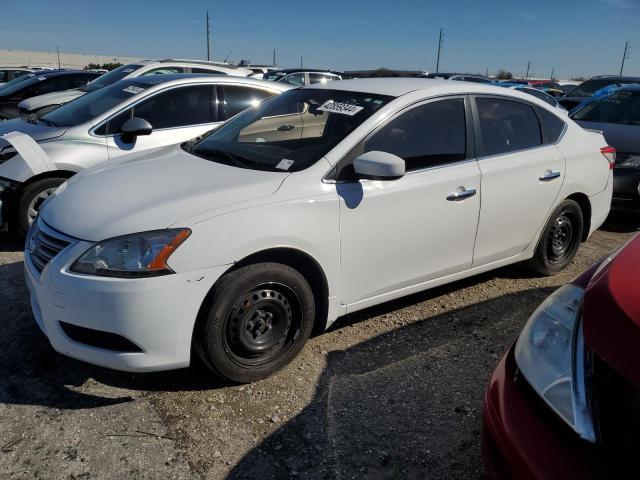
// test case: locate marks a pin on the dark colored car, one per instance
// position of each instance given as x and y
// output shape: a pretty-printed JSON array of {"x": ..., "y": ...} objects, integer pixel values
[
  {"x": 586, "y": 89},
  {"x": 43, "y": 82},
  {"x": 564, "y": 402},
  {"x": 617, "y": 115}
]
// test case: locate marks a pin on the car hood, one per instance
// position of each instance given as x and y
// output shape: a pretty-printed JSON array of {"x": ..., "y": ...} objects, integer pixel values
[
  {"x": 37, "y": 131},
  {"x": 624, "y": 138},
  {"x": 611, "y": 311},
  {"x": 151, "y": 190},
  {"x": 55, "y": 98}
]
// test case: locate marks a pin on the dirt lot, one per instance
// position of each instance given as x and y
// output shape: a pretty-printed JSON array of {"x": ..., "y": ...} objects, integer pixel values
[{"x": 391, "y": 392}]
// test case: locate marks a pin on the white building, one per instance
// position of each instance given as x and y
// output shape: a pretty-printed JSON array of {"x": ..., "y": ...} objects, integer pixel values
[{"x": 18, "y": 58}]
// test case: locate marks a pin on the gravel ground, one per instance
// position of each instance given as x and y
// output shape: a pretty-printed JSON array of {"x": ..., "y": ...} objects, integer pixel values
[{"x": 391, "y": 392}]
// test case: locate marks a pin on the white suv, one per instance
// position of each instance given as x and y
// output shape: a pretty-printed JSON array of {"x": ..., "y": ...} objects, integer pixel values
[
  {"x": 318, "y": 202},
  {"x": 44, "y": 103}
]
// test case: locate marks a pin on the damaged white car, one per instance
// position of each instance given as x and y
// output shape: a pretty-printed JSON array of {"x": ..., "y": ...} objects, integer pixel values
[{"x": 132, "y": 115}]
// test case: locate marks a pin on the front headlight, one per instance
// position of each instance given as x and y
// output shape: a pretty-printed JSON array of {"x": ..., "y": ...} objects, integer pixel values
[
  {"x": 138, "y": 255},
  {"x": 628, "y": 161},
  {"x": 550, "y": 355}
]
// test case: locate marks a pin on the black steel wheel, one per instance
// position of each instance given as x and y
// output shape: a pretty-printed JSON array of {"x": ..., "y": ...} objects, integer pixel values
[
  {"x": 256, "y": 320},
  {"x": 560, "y": 239}
]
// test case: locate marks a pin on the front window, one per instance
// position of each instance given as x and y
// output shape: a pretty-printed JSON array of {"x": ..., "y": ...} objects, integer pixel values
[
  {"x": 296, "y": 79},
  {"x": 289, "y": 132},
  {"x": 622, "y": 107},
  {"x": 110, "y": 78},
  {"x": 92, "y": 104}
]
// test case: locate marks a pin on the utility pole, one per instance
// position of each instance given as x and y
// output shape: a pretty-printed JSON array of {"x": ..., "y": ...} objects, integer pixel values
[
  {"x": 439, "y": 48},
  {"x": 528, "y": 67},
  {"x": 552, "y": 72},
  {"x": 300, "y": 62},
  {"x": 208, "y": 44},
  {"x": 624, "y": 56},
  {"x": 58, "y": 52},
  {"x": 274, "y": 57}
]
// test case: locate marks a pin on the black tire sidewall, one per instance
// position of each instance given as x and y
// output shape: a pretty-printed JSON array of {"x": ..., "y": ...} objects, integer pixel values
[
  {"x": 27, "y": 195},
  {"x": 227, "y": 290},
  {"x": 541, "y": 259}
]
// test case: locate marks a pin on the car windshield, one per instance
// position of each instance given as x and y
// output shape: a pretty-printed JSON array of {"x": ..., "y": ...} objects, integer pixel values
[
  {"x": 109, "y": 78},
  {"x": 588, "y": 88},
  {"x": 92, "y": 104},
  {"x": 288, "y": 132},
  {"x": 15, "y": 81},
  {"x": 273, "y": 75},
  {"x": 621, "y": 107},
  {"x": 10, "y": 89}
]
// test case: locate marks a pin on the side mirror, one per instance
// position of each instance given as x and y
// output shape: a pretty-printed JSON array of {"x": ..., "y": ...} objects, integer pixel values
[
  {"x": 377, "y": 165},
  {"x": 135, "y": 127}
]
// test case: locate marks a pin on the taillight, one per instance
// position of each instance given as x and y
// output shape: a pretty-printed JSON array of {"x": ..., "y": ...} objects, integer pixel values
[{"x": 610, "y": 154}]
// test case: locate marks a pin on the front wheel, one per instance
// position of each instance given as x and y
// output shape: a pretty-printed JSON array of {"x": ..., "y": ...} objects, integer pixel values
[
  {"x": 32, "y": 199},
  {"x": 258, "y": 319},
  {"x": 560, "y": 239}
]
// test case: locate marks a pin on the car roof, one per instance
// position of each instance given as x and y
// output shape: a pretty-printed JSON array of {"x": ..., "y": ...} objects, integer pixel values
[
  {"x": 182, "y": 78},
  {"x": 400, "y": 86},
  {"x": 312, "y": 70},
  {"x": 615, "y": 78}
]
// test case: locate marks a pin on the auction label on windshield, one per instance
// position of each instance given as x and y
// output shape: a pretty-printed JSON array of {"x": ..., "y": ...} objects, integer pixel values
[
  {"x": 339, "y": 107},
  {"x": 132, "y": 89},
  {"x": 285, "y": 164}
]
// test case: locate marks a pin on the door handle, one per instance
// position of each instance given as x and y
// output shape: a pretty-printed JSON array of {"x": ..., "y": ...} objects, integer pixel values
[
  {"x": 549, "y": 175},
  {"x": 286, "y": 128},
  {"x": 460, "y": 194}
]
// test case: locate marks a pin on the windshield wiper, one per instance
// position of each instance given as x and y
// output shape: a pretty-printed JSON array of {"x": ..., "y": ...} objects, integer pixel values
[
  {"x": 48, "y": 123},
  {"x": 236, "y": 159}
]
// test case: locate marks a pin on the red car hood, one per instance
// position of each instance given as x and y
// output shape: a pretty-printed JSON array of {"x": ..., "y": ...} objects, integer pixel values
[{"x": 611, "y": 312}]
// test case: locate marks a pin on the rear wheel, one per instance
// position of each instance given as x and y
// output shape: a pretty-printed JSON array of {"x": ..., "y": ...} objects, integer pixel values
[
  {"x": 32, "y": 199},
  {"x": 258, "y": 319},
  {"x": 560, "y": 239}
]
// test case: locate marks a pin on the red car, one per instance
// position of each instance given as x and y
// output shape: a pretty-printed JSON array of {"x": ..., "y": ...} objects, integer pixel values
[{"x": 564, "y": 402}]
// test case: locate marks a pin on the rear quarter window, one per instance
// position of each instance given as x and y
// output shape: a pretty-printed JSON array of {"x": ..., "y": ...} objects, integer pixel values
[{"x": 553, "y": 124}]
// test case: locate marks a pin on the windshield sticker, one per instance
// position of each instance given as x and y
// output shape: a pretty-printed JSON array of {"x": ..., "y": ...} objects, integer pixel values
[
  {"x": 132, "y": 89},
  {"x": 284, "y": 164},
  {"x": 127, "y": 70},
  {"x": 339, "y": 107},
  {"x": 42, "y": 78}
]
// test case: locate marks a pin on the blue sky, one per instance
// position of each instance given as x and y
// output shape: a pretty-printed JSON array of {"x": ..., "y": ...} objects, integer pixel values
[{"x": 573, "y": 37}]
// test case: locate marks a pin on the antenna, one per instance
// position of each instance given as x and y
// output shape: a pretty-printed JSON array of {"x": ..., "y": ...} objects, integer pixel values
[
  {"x": 625, "y": 55},
  {"x": 439, "y": 48}
]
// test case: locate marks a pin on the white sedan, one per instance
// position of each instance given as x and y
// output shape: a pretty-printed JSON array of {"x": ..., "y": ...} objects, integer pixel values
[{"x": 316, "y": 203}]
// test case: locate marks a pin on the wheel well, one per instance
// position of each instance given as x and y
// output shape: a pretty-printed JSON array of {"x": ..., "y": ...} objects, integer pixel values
[
  {"x": 50, "y": 174},
  {"x": 583, "y": 201},
  {"x": 307, "y": 266}
]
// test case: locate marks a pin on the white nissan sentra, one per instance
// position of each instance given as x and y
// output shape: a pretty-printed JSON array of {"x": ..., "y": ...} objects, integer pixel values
[{"x": 318, "y": 202}]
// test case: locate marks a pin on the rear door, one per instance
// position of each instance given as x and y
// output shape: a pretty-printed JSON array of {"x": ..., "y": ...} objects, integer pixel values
[{"x": 522, "y": 173}]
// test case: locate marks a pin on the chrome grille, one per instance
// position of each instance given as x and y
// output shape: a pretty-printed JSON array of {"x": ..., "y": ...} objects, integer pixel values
[{"x": 43, "y": 245}]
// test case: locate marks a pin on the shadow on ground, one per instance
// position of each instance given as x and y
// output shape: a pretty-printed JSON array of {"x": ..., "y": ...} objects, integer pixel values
[
  {"x": 621, "y": 222},
  {"x": 404, "y": 404}
]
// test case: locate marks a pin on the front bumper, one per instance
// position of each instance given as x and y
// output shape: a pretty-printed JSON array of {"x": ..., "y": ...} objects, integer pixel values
[
  {"x": 626, "y": 190},
  {"x": 522, "y": 438},
  {"x": 156, "y": 314},
  {"x": 7, "y": 192}
]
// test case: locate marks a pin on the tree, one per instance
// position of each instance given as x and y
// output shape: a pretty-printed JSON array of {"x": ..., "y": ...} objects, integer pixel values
[
  {"x": 104, "y": 66},
  {"x": 504, "y": 75}
]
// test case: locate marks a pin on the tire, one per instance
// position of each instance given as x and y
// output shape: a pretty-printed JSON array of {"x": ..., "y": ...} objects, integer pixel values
[
  {"x": 560, "y": 239},
  {"x": 30, "y": 201},
  {"x": 256, "y": 321}
]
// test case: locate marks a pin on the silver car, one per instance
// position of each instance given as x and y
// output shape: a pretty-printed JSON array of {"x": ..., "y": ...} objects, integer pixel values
[
  {"x": 42, "y": 104},
  {"x": 129, "y": 116}
]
